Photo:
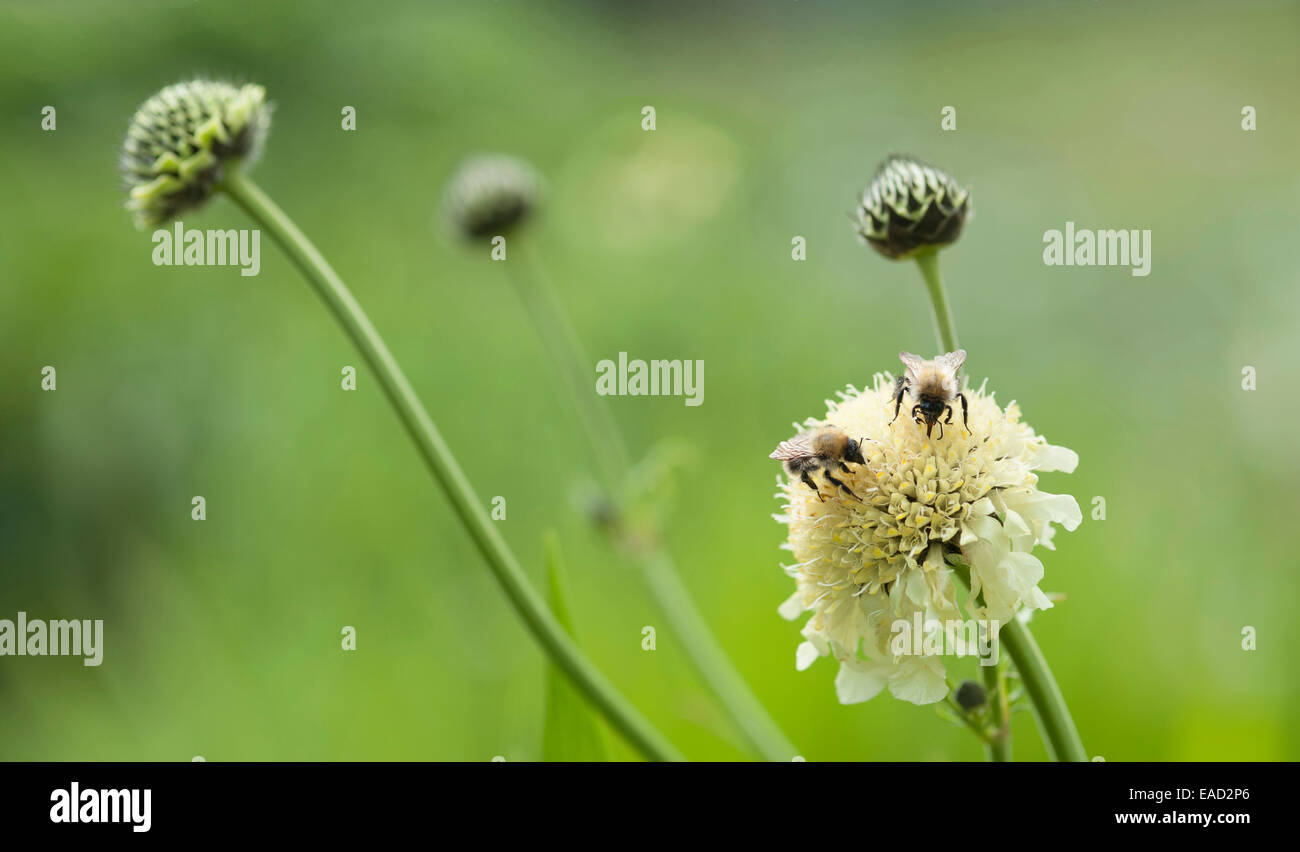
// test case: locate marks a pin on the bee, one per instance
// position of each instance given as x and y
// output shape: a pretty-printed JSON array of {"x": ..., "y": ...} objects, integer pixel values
[
  {"x": 934, "y": 387},
  {"x": 823, "y": 449}
]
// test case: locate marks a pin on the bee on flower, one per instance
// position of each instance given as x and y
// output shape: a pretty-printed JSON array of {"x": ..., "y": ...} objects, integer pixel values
[{"x": 863, "y": 561}]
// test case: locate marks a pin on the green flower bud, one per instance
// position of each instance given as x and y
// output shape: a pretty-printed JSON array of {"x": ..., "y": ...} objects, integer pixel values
[
  {"x": 181, "y": 138},
  {"x": 910, "y": 207},
  {"x": 490, "y": 195},
  {"x": 970, "y": 695}
]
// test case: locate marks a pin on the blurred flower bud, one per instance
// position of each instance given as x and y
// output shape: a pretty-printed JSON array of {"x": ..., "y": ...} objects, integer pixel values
[
  {"x": 180, "y": 140},
  {"x": 602, "y": 512},
  {"x": 490, "y": 195},
  {"x": 910, "y": 207},
  {"x": 970, "y": 695}
]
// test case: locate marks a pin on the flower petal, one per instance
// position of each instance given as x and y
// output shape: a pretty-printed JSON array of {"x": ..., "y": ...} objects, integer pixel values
[
  {"x": 791, "y": 607},
  {"x": 920, "y": 682},
  {"x": 1049, "y": 458},
  {"x": 853, "y": 685}
]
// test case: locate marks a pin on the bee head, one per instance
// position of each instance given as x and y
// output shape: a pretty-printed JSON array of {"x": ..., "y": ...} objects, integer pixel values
[
  {"x": 853, "y": 452},
  {"x": 932, "y": 408}
]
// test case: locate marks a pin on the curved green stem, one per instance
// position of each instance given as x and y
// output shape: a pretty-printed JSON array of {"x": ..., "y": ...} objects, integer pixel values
[
  {"x": 945, "y": 331},
  {"x": 1053, "y": 715},
  {"x": 442, "y": 464},
  {"x": 1049, "y": 705},
  {"x": 1054, "y": 720},
  {"x": 698, "y": 643}
]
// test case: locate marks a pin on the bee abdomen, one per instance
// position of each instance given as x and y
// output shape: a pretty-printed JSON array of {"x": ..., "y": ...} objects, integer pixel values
[{"x": 796, "y": 467}]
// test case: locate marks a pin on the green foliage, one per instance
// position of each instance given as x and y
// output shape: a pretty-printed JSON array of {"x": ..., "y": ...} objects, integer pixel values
[{"x": 572, "y": 729}]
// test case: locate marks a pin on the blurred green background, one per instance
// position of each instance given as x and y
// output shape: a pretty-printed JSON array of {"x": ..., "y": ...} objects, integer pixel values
[{"x": 222, "y": 637}]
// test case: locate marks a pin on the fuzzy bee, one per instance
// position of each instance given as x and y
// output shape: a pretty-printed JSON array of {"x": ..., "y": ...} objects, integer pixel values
[
  {"x": 933, "y": 386},
  {"x": 824, "y": 449}
]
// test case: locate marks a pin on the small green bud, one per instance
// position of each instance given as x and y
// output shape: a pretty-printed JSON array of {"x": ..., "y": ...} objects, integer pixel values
[
  {"x": 491, "y": 195},
  {"x": 970, "y": 695},
  {"x": 910, "y": 207},
  {"x": 181, "y": 138}
]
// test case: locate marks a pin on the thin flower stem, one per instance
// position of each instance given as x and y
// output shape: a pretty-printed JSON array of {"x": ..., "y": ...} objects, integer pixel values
[
  {"x": 534, "y": 289},
  {"x": 1000, "y": 741},
  {"x": 969, "y": 721},
  {"x": 944, "y": 330},
  {"x": 1054, "y": 720},
  {"x": 1053, "y": 715},
  {"x": 530, "y": 606},
  {"x": 697, "y": 641},
  {"x": 711, "y": 661}
]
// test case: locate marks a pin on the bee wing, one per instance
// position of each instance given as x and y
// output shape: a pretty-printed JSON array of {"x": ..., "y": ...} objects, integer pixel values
[
  {"x": 913, "y": 363},
  {"x": 795, "y": 448},
  {"x": 953, "y": 360}
]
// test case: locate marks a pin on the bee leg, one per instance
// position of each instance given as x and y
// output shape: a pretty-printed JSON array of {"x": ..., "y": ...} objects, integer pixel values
[
  {"x": 940, "y": 422},
  {"x": 847, "y": 490},
  {"x": 962, "y": 397},
  {"x": 807, "y": 480},
  {"x": 845, "y": 468},
  {"x": 949, "y": 417},
  {"x": 898, "y": 398}
]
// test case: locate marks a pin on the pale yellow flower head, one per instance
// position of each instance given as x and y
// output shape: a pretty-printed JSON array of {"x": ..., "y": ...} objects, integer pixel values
[{"x": 861, "y": 565}]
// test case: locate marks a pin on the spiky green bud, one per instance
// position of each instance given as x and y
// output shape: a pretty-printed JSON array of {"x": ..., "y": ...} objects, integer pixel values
[
  {"x": 490, "y": 195},
  {"x": 181, "y": 139},
  {"x": 910, "y": 207}
]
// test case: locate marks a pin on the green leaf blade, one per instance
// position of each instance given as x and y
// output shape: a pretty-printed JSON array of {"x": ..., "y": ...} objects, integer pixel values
[{"x": 571, "y": 731}]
